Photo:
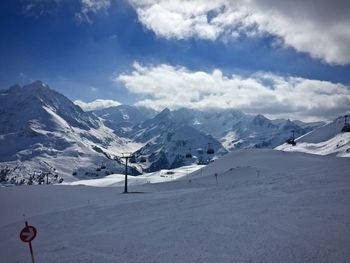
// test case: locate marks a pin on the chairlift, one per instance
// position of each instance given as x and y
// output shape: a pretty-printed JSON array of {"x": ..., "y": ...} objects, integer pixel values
[
  {"x": 291, "y": 140},
  {"x": 210, "y": 150},
  {"x": 188, "y": 155},
  {"x": 346, "y": 127}
]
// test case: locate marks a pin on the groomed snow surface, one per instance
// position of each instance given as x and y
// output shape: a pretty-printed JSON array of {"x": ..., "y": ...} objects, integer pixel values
[{"x": 266, "y": 206}]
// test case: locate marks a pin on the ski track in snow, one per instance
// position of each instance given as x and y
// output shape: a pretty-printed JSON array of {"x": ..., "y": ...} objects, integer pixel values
[{"x": 268, "y": 206}]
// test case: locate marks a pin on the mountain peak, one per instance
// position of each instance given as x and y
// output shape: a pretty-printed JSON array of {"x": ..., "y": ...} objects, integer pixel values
[
  {"x": 164, "y": 115},
  {"x": 37, "y": 86},
  {"x": 35, "y": 99},
  {"x": 166, "y": 111},
  {"x": 261, "y": 120},
  {"x": 38, "y": 83}
]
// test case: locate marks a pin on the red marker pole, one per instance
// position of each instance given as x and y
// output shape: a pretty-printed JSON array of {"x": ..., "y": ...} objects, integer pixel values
[
  {"x": 27, "y": 234},
  {"x": 30, "y": 247}
]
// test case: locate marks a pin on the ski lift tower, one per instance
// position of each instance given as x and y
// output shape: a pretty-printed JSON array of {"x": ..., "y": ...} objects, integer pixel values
[{"x": 126, "y": 157}]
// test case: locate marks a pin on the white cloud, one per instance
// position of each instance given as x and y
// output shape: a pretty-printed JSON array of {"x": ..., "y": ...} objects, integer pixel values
[
  {"x": 89, "y": 7},
  {"x": 38, "y": 8},
  {"x": 266, "y": 93},
  {"x": 96, "y": 104},
  {"x": 318, "y": 27}
]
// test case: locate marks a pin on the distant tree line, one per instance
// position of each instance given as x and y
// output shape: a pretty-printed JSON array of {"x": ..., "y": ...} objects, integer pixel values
[{"x": 11, "y": 175}]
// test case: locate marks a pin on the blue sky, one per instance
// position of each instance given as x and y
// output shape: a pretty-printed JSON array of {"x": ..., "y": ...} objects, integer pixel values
[{"x": 88, "y": 49}]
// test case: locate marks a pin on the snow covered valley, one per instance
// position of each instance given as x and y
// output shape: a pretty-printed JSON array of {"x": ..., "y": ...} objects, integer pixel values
[{"x": 266, "y": 206}]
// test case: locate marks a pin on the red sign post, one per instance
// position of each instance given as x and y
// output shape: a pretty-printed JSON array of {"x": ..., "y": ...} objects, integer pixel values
[{"x": 27, "y": 234}]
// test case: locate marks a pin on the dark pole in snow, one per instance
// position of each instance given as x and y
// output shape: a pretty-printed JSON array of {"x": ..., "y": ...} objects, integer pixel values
[
  {"x": 30, "y": 247},
  {"x": 126, "y": 157},
  {"x": 126, "y": 176}
]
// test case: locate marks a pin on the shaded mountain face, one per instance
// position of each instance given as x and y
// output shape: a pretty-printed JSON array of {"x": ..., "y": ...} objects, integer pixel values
[
  {"x": 172, "y": 143},
  {"x": 42, "y": 130},
  {"x": 152, "y": 128},
  {"x": 122, "y": 118},
  {"x": 168, "y": 140}
]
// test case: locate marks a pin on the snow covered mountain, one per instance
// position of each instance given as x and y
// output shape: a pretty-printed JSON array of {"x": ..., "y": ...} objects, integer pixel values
[
  {"x": 260, "y": 132},
  {"x": 167, "y": 142},
  {"x": 325, "y": 140},
  {"x": 232, "y": 128},
  {"x": 215, "y": 122},
  {"x": 122, "y": 118},
  {"x": 41, "y": 131},
  {"x": 226, "y": 130}
]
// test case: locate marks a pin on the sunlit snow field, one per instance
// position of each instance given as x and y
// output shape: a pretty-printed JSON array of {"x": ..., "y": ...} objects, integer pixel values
[{"x": 266, "y": 206}]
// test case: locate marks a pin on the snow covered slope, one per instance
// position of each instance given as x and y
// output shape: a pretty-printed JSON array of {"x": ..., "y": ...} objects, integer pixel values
[
  {"x": 122, "y": 118},
  {"x": 325, "y": 140},
  {"x": 216, "y": 122},
  {"x": 236, "y": 130},
  {"x": 160, "y": 176},
  {"x": 42, "y": 132},
  {"x": 267, "y": 206},
  {"x": 167, "y": 142},
  {"x": 232, "y": 128},
  {"x": 260, "y": 132}
]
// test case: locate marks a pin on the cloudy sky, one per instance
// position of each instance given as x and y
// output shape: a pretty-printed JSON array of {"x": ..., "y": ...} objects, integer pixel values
[{"x": 279, "y": 58}]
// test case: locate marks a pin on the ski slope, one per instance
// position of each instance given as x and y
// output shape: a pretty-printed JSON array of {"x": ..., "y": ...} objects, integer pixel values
[
  {"x": 155, "y": 177},
  {"x": 325, "y": 140},
  {"x": 266, "y": 206}
]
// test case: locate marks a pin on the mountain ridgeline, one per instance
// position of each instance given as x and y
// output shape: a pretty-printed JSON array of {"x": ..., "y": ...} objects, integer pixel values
[
  {"x": 44, "y": 133},
  {"x": 46, "y": 138},
  {"x": 231, "y": 129}
]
